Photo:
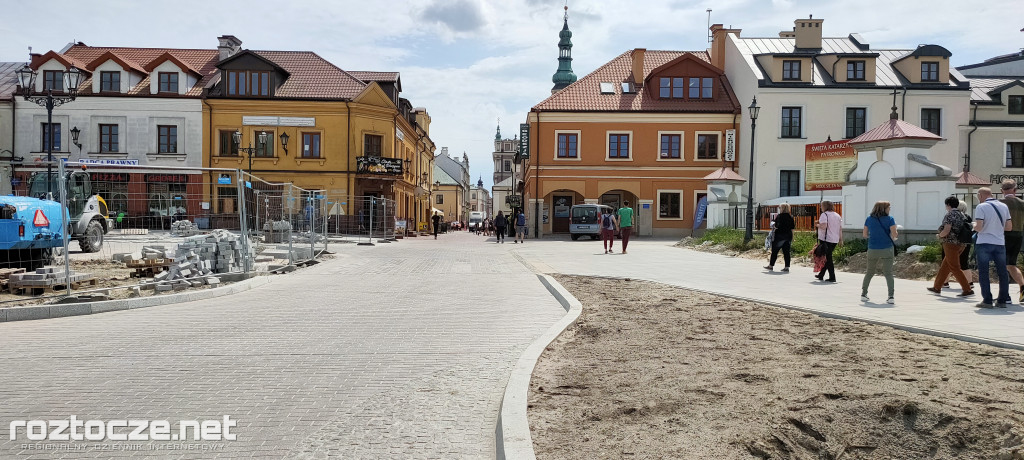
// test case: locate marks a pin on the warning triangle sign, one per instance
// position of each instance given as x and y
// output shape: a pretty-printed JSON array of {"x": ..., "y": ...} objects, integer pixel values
[{"x": 40, "y": 219}]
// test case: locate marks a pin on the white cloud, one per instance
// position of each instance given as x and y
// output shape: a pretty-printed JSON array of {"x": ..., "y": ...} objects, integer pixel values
[{"x": 471, "y": 61}]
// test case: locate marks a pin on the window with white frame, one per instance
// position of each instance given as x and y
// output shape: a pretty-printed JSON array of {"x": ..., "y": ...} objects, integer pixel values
[
  {"x": 707, "y": 146},
  {"x": 670, "y": 204}
]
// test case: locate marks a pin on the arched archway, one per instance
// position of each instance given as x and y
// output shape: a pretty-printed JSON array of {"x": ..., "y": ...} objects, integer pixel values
[{"x": 557, "y": 206}]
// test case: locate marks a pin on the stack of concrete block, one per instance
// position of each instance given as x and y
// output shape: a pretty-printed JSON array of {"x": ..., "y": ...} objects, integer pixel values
[
  {"x": 184, "y": 228},
  {"x": 156, "y": 251},
  {"x": 46, "y": 277},
  {"x": 199, "y": 258},
  {"x": 277, "y": 231}
]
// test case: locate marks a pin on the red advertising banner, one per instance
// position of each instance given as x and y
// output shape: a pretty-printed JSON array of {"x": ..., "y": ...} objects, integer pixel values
[{"x": 826, "y": 165}]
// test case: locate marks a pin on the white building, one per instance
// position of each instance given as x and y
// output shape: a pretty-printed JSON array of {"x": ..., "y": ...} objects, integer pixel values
[
  {"x": 135, "y": 106},
  {"x": 8, "y": 86},
  {"x": 993, "y": 140},
  {"x": 811, "y": 89}
]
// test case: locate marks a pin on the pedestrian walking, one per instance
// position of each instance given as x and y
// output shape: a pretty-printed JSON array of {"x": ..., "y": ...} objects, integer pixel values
[
  {"x": 991, "y": 220},
  {"x": 783, "y": 239},
  {"x": 829, "y": 235},
  {"x": 967, "y": 239},
  {"x": 880, "y": 230},
  {"x": 499, "y": 225},
  {"x": 436, "y": 220},
  {"x": 608, "y": 231},
  {"x": 1015, "y": 236},
  {"x": 625, "y": 224},
  {"x": 520, "y": 226},
  {"x": 949, "y": 235}
]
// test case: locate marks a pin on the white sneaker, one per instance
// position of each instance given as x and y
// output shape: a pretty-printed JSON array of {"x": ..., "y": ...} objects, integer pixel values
[
  {"x": 864, "y": 298},
  {"x": 890, "y": 301}
]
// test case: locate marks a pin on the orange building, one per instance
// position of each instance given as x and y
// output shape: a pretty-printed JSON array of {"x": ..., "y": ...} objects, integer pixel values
[{"x": 646, "y": 127}]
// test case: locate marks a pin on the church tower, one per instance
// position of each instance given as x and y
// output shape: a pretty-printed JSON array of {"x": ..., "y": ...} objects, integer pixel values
[
  {"x": 564, "y": 76},
  {"x": 504, "y": 152}
]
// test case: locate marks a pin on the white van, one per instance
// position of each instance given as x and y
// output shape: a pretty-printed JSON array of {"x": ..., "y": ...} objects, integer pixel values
[
  {"x": 476, "y": 219},
  {"x": 585, "y": 220}
]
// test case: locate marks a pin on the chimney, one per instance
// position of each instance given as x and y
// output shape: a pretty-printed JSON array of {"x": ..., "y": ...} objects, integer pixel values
[
  {"x": 808, "y": 33},
  {"x": 638, "y": 67},
  {"x": 718, "y": 37},
  {"x": 228, "y": 45}
]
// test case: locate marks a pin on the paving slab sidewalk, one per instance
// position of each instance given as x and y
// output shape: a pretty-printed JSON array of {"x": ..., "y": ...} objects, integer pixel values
[
  {"x": 401, "y": 350},
  {"x": 659, "y": 260}
]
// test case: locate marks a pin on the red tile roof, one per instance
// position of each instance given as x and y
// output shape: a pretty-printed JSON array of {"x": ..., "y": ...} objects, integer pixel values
[
  {"x": 584, "y": 95},
  {"x": 312, "y": 77},
  {"x": 365, "y": 75},
  {"x": 110, "y": 55},
  {"x": 203, "y": 61},
  {"x": 894, "y": 129}
]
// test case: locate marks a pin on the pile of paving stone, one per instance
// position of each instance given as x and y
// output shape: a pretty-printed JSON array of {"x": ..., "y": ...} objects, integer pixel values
[
  {"x": 47, "y": 277},
  {"x": 184, "y": 228},
  {"x": 198, "y": 259},
  {"x": 277, "y": 231}
]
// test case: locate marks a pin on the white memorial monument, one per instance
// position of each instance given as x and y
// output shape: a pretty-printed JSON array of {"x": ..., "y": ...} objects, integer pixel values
[{"x": 893, "y": 165}]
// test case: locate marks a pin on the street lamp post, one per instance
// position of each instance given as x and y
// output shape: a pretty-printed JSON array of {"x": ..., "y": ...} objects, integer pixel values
[
  {"x": 250, "y": 150},
  {"x": 27, "y": 80},
  {"x": 749, "y": 235}
]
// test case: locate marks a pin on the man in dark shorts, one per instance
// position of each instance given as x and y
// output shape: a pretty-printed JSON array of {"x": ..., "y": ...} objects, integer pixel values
[{"x": 1014, "y": 237}]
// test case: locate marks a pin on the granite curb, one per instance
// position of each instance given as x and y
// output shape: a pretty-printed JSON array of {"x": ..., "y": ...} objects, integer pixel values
[
  {"x": 512, "y": 433},
  {"x": 89, "y": 308}
]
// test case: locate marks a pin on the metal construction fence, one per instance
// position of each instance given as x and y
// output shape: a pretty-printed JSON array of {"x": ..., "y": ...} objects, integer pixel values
[{"x": 139, "y": 228}]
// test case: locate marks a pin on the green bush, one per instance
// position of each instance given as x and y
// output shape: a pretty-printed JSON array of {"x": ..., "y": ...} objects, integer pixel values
[
  {"x": 803, "y": 242},
  {"x": 932, "y": 252},
  {"x": 849, "y": 248},
  {"x": 732, "y": 238}
]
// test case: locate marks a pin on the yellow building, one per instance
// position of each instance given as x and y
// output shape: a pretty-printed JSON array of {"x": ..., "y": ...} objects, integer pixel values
[{"x": 347, "y": 134}]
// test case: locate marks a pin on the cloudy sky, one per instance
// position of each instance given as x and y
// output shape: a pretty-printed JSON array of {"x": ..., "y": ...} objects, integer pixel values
[{"x": 471, "y": 62}]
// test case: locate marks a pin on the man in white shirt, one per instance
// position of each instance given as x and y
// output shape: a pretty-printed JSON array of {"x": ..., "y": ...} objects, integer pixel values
[{"x": 991, "y": 219}]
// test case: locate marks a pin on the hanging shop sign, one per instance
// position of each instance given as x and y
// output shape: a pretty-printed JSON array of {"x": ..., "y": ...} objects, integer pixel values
[{"x": 379, "y": 165}]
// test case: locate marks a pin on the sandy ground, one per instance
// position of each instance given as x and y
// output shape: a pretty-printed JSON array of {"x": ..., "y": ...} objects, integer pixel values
[{"x": 653, "y": 371}]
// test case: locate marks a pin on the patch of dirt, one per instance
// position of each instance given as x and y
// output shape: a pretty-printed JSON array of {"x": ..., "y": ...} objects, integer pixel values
[{"x": 654, "y": 371}]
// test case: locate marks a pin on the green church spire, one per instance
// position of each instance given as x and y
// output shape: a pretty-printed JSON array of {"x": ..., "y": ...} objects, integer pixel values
[{"x": 564, "y": 76}]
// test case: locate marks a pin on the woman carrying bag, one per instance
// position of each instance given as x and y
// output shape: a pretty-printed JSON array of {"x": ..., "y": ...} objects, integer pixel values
[
  {"x": 829, "y": 236},
  {"x": 880, "y": 230},
  {"x": 782, "y": 238}
]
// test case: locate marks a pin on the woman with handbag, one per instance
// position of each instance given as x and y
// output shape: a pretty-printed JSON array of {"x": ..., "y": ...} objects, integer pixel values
[
  {"x": 782, "y": 238},
  {"x": 880, "y": 230},
  {"x": 829, "y": 236},
  {"x": 949, "y": 235}
]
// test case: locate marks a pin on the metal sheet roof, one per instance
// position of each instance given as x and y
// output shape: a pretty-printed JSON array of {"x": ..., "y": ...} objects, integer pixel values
[
  {"x": 885, "y": 74},
  {"x": 9, "y": 79}
]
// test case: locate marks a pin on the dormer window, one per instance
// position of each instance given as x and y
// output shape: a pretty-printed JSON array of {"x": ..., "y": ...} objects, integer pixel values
[
  {"x": 1015, "y": 104},
  {"x": 53, "y": 80},
  {"x": 168, "y": 82},
  {"x": 671, "y": 88},
  {"x": 700, "y": 88},
  {"x": 110, "y": 82},
  {"x": 855, "y": 70},
  {"x": 791, "y": 70},
  {"x": 248, "y": 83},
  {"x": 930, "y": 71}
]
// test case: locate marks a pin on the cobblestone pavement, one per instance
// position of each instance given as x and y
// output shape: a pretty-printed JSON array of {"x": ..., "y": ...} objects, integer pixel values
[
  {"x": 658, "y": 260},
  {"x": 401, "y": 350}
]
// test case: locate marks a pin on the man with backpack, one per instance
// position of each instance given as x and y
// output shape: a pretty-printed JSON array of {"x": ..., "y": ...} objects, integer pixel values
[
  {"x": 1015, "y": 236},
  {"x": 608, "y": 231}
]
